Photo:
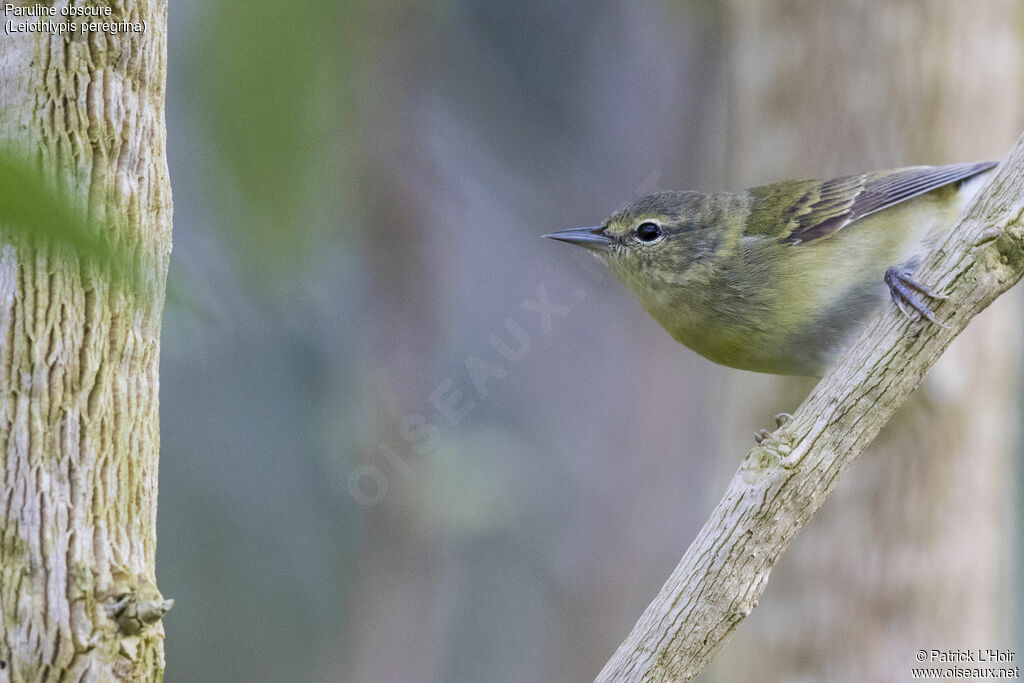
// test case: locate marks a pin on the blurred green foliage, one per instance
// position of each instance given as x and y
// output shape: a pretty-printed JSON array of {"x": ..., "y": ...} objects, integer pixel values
[
  {"x": 35, "y": 214},
  {"x": 270, "y": 75}
]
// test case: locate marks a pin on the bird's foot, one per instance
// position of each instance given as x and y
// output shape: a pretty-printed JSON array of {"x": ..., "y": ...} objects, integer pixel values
[
  {"x": 904, "y": 291},
  {"x": 780, "y": 419}
]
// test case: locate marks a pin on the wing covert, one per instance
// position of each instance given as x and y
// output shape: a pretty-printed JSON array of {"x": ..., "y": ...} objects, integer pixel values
[{"x": 827, "y": 207}]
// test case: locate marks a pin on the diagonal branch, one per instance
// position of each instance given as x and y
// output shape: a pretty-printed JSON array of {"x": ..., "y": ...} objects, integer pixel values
[{"x": 783, "y": 481}]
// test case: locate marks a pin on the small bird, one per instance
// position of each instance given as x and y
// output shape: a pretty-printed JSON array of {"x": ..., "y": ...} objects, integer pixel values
[{"x": 780, "y": 277}]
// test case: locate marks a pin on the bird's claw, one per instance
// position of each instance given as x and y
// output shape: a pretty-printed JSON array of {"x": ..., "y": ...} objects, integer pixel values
[
  {"x": 904, "y": 290},
  {"x": 780, "y": 419}
]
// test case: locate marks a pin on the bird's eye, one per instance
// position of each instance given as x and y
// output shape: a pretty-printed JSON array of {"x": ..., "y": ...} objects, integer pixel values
[{"x": 648, "y": 232}]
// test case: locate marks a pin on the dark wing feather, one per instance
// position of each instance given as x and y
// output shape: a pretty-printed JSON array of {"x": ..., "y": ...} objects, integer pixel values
[{"x": 834, "y": 204}]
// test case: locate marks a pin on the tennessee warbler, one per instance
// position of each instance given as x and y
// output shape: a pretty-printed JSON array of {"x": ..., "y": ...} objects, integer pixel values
[{"x": 778, "y": 278}]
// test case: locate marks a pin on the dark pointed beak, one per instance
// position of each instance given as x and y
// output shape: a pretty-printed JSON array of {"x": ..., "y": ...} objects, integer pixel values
[{"x": 589, "y": 238}]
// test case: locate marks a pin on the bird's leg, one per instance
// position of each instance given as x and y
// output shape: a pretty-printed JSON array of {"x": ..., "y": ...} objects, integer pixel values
[{"x": 904, "y": 290}]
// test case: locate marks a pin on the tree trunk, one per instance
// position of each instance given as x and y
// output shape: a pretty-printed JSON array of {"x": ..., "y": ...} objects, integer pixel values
[
  {"x": 79, "y": 355},
  {"x": 913, "y": 547}
]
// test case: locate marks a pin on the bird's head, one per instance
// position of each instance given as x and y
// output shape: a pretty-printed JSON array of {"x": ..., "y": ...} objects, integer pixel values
[{"x": 658, "y": 242}]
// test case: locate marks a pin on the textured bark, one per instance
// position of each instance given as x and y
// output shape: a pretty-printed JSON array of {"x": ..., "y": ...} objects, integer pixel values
[
  {"x": 783, "y": 482},
  {"x": 820, "y": 89},
  {"x": 79, "y": 357}
]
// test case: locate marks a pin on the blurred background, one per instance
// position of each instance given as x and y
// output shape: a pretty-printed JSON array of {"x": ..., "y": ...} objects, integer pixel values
[{"x": 406, "y": 439}]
